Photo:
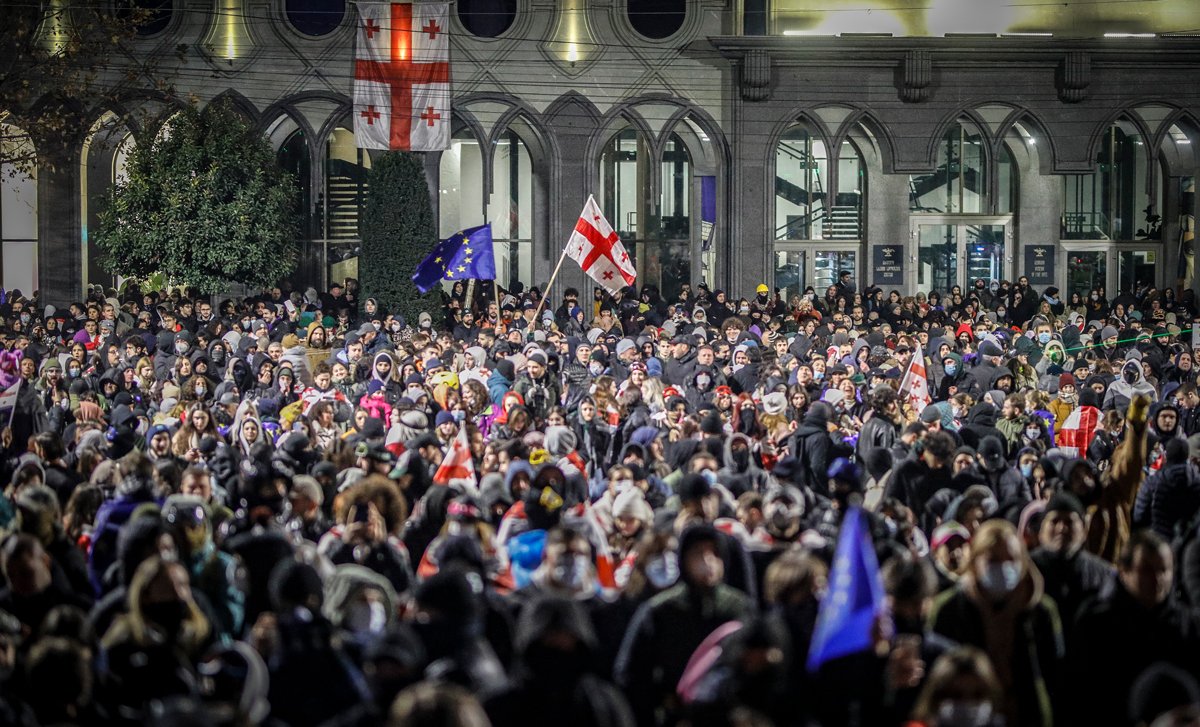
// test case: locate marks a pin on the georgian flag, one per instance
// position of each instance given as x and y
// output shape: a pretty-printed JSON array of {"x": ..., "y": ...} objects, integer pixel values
[
  {"x": 1078, "y": 431},
  {"x": 457, "y": 464},
  {"x": 914, "y": 387},
  {"x": 402, "y": 76},
  {"x": 598, "y": 250}
]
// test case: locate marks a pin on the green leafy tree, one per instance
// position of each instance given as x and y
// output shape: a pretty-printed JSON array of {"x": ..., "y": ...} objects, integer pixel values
[
  {"x": 205, "y": 205},
  {"x": 397, "y": 231}
]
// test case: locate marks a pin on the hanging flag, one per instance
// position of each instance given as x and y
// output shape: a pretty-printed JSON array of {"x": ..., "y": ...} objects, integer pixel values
[
  {"x": 464, "y": 255},
  {"x": 708, "y": 211},
  {"x": 854, "y": 599},
  {"x": 914, "y": 387},
  {"x": 1078, "y": 431},
  {"x": 402, "y": 77},
  {"x": 598, "y": 250},
  {"x": 457, "y": 464}
]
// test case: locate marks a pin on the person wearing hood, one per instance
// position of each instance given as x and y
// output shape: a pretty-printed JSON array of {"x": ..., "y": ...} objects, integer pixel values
[
  {"x": 740, "y": 462},
  {"x": 556, "y": 681},
  {"x": 1130, "y": 383},
  {"x": 1170, "y": 497},
  {"x": 383, "y": 370},
  {"x": 1000, "y": 606},
  {"x": 666, "y": 630},
  {"x": 213, "y": 572},
  {"x": 500, "y": 382},
  {"x": 1164, "y": 426},
  {"x": 815, "y": 445},
  {"x": 954, "y": 377},
  {"x": 980, "y": 423},
  {"x": 986, "y": 368}
]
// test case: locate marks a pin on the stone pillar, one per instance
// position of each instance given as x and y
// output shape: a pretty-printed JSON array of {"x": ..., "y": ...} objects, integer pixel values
[{"x": 60, "y": 246}]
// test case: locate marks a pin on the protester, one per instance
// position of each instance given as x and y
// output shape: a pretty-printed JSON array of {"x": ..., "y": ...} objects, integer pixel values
[{"x": 289, "y": 509}]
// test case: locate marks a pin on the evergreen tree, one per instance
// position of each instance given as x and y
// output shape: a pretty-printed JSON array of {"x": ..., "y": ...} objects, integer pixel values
[
  {"x": 397, "y": 231},
  {"x": 205, "y": 205}
]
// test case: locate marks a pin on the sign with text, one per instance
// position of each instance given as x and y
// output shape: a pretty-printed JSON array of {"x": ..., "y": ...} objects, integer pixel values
[
  {"x": 1039, "y": 264},
  {"x": 888, "y": 265}
]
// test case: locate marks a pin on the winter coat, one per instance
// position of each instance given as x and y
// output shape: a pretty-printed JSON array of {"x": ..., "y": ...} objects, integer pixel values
[
  {"x": 1023, "y": 636},
  {"x": 498, "y": 386},
  {"x": 1121, "y": 392},
  {"x": 1168, "y": 498}
]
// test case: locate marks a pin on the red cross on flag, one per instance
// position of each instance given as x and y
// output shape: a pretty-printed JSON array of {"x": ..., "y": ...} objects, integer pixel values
[
  {"x": 1078, "y": 431},
  {"x": 595, "y": 246},
  {"x": 402, "y": 77},
  {"x": 457, "y": 464},
  {"x": 914, "y": 387}
]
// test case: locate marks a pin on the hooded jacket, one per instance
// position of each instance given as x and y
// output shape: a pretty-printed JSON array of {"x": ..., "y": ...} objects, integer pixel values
[{"x": 1123, "y": 390}]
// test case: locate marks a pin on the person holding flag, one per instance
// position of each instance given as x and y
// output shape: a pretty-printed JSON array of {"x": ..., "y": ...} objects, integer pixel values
[{"x": 914, "y": 387}]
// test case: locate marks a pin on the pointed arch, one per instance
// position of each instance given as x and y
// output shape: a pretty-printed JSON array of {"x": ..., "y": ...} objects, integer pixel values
[{"x": 238, "y": 102}]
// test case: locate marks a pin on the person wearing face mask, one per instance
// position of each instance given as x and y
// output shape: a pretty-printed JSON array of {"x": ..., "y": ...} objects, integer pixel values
[
  {"x": 1130, "y": 384},
  {"x": 1000, "y": 606},
  {"x": 954, "y": 377},
  {"x": 962, "y": 691},
  {"x": 213, "y": 572},
  {"x": 360, "y": 603},
  {"x": 665, "y": 632}
]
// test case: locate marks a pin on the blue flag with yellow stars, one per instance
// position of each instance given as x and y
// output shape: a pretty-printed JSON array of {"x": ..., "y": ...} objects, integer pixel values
[{"x": 463, "y": 255}]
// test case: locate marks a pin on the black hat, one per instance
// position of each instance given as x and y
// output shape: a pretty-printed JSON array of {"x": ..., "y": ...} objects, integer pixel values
[
  {"x": 693, "y": 487},
  {"x": 1065, "y": 502},
  {"x": 991, "y": 450},
  {"x": 989, "y": 348}
]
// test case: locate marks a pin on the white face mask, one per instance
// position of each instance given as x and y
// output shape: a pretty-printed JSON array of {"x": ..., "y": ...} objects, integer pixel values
[
  {"x": 999, "y": 579},
  {"x": 964, "y": 713},
  {"x": 366, "y": 618}
]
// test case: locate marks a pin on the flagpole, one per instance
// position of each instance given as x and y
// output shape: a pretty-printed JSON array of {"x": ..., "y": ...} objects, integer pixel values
[{"x": 537, "y": 313}]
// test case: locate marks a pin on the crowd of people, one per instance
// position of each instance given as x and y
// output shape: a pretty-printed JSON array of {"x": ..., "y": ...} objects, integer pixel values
[{"x": 238, "y": 514}]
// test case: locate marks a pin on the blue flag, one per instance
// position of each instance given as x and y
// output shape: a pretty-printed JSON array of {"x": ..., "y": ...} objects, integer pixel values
[
  {"x": 463, "y": 255},
  {"x": 854, "y": 599}
]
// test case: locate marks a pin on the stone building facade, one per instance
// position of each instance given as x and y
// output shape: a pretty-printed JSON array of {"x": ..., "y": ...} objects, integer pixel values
[{"x": 724, "y": 145}]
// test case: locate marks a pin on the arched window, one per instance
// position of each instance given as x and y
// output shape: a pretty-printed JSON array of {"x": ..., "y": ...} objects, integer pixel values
[
  {"x": 345, "y": 196},
  {"x": 293, "y": 158},
  {"x": 103, "y": 161},
  {"x": 510, "y": 208},
  {"x": 487, "y": 18},
  {"x": 801, "y": 185},
  {"x": 460, "y": 192},
  {"x": 1109, "y": 203},
  {"x": 656, "y": 19},
  {"x": 958, "y": 184},
  {"x": 623, "y": 183},
  {"x": 18, "y": 210},
  {"x": 315, "y": 17},
  {"x": 154, "y": 15}
]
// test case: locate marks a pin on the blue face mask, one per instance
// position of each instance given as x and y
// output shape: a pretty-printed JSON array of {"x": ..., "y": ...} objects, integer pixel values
[
  {"x": 951, "y": 369},
  {"x": 1043, "y": 338},
  {"x": 1027, "y": 470}
]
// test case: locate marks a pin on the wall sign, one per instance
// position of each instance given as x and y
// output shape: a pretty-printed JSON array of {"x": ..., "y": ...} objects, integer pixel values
[
  {"x": 888, "y": 265},
  {"x": 1039, "y": 264}
]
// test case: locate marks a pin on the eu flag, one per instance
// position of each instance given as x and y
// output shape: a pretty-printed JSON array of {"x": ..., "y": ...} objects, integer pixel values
[
  {"x": 854, "y": 598},
  {"x": 463, "y": 255}
]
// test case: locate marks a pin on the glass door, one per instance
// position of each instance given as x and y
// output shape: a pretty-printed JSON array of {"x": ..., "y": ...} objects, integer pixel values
[
  {"x": 958, "y": 249},
  {"x": 1137, "y": 269},
  {"x": 1086, "y": 269},
  {"x": 937, "y": 257}
]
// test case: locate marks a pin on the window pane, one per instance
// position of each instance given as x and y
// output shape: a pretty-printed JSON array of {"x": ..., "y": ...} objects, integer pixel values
[
  {"x": 958, "y": 184},
  {"x": 789, "y": 272},
  {"x": 487, "y": 18},
  {"x": 845, "y": 217},
  {"x": 316, "y": 17},
  {"x": 460, "y": 191},
  {"x": 675, "y": 201},
  {"x": 18, "y": 187},
  {"x": 937, "y": 258},
  {"x": 293, "y": 159},
  {"x": 656, "y": 18},
  {"x": 1086, "y": 270},
  {"x": 510, "y": 209},
  {"x": 971, "y": 182},
  {"x": 346, "y": 169},
  {"x": 621, "y": 180},
  {"x": 985, "y": 252},
  {"x": 801, "y": 168}
]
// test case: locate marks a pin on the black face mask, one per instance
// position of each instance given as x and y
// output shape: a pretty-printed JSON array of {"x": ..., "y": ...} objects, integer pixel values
[
  {"x": 168, "y": 616},
  {"x": 741, "y": 458},
  {"x": 1129, "y": 376}
]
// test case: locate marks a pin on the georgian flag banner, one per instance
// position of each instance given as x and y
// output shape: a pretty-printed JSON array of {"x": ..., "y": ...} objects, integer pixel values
[
  {"x": 402, "y": 77},
  {"x": 1078, "y": 431},
  {"x": 457, "y": 464},
  {"x": 598, "y": 250},
  {"x": 914, "y": 387}
]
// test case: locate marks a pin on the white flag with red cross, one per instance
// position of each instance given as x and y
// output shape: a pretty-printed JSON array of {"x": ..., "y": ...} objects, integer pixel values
[
  {"x": 458, "y": 463},
  {"x": 914, "y": 387},
  {"x": 402, "y": 77},
  {"x": 1078, "y": 431},
  {"x": 594, "y": 244}
]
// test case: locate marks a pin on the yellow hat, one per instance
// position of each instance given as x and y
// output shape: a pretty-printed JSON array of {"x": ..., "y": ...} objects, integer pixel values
[{"x": 762, "y": 288}]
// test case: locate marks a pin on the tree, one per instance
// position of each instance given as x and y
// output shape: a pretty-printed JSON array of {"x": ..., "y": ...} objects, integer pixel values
[
  {"x": 61, "y": 60},
  {"x": 205, "y": 204},
  {"x": 397, "y": 231}
]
